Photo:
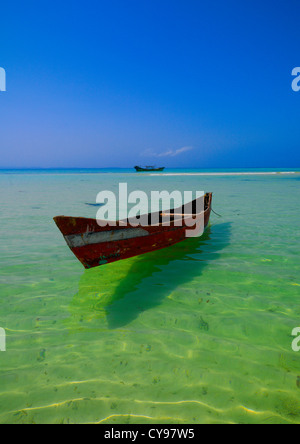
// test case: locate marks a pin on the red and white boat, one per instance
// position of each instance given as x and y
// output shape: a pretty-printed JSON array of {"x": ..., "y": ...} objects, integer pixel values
[{"x": 96, "y": 245}]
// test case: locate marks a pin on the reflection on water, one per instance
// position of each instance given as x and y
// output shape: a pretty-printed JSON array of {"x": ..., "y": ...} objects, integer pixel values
[{"x": 117, "y": 293}]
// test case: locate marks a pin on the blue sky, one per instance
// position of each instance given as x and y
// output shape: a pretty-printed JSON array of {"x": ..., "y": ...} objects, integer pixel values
[{"x": 177, "y": 83}]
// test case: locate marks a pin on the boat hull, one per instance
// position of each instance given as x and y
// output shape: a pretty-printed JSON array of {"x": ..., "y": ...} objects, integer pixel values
[{"x": 94, "y": 245}]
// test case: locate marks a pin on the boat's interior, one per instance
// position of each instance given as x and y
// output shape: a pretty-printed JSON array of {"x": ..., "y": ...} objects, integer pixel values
[{"x": 189, "y": 210}]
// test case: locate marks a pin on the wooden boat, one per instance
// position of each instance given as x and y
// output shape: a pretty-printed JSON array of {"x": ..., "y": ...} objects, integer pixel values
[
  {"x": 96, "y": 245},
  {"x": 148, "y": 168}
]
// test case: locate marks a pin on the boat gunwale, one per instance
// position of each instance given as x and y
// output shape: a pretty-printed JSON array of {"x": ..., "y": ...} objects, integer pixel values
[{"x": 126, "y": 223}]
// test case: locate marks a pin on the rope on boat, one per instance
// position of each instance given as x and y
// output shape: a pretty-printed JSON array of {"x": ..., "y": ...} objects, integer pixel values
[{"x": 219, "y": 215}]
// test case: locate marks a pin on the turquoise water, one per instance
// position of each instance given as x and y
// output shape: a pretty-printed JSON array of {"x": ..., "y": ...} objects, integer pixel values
[{"x": 196, "y": 333}]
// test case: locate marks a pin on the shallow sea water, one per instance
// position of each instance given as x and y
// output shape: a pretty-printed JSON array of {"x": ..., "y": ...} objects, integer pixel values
[{"x": 196, "y": 333}]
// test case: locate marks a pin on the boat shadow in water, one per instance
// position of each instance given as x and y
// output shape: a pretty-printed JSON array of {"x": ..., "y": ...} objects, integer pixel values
[{"x": 118, "y": 293}]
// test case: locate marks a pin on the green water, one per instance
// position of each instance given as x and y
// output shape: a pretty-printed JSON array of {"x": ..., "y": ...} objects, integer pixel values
[{"x": 196, "y": 333}]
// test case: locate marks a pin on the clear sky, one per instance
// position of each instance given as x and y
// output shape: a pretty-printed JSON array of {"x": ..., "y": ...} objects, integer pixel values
[{"x": 117, "y": 83}]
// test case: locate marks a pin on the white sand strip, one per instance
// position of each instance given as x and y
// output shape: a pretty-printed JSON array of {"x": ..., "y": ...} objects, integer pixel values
[{"x": 267, "y": 173}]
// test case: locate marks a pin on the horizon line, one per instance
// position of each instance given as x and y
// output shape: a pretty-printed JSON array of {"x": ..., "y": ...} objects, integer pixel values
[{"x": 282, "y": 169}]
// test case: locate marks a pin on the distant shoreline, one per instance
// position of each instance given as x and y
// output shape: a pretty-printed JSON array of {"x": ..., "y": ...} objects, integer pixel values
[
  {"x": 272, "y": 173},
  {"x": 170, "y": 172}
]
